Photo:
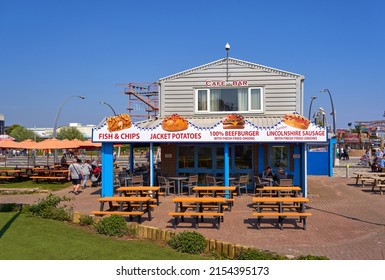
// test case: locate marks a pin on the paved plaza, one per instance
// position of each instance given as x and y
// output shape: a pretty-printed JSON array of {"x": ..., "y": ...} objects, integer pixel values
[{"x": 347, "y": 222}]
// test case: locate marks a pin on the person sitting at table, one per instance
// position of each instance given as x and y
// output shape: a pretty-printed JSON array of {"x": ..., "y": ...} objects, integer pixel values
[
  {"x": 281, "y": 174},
  {"x": 63, "y": 161},
  {"x": 267, "y": 173},
  {"x": 96, "y": 176}
]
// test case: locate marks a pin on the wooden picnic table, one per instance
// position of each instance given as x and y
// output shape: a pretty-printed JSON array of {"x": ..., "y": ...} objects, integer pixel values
[
  {"x": 365, "y": 174},
  {"x": 49, "y": 174},
  {"x": 10, "y": 172},
  {"x": 143, "y": 191},
  {"x": 278, "y": 190},
  {"x": 196, "y": 207},
  {"x": 131, "y": 203},
  {"x": 281, "y": 214},
  {"x": 280, "y": 200},
  {"x": 215, "y": 190},
  {"x": 375, "y": 180}
]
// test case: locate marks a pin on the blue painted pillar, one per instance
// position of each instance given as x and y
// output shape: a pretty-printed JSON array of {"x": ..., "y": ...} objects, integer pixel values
[
  {"x": 107, "y": 169},
  {"x": 261, "y": 158},
  {"x": 151, "y": 164},
  {"x": 227, "y": 164},
  {"x": 132, "y": 157},
  {"x": 304, "y": 169},
  {"x": 332, "y": 155},
  {"x": 297, "y": 158}
]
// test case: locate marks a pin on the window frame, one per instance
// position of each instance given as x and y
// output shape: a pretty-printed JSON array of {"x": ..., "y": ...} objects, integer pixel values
[{"x": 208, "y": 98}]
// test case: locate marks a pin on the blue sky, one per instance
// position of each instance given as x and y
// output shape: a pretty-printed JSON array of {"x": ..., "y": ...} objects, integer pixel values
[{"x": 50, "y": 50}]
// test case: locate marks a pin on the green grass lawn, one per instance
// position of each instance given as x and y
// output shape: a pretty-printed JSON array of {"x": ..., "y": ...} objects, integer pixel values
[
  {"x": 52, "y": 186},
  {"x": 23, "y": 237}
]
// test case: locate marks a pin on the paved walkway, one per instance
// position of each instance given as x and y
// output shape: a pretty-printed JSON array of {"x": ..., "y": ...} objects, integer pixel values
[{"x": 348, "y": 222}]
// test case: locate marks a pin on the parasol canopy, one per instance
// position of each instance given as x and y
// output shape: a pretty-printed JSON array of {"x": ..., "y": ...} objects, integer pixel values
[{"x": 9, "y": 144}]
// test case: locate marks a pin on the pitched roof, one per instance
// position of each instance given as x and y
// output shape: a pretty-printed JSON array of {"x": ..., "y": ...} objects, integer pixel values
[{"x": 233, "y": 60}]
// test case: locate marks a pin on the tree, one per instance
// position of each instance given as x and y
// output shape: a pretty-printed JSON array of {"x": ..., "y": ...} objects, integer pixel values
[
  {"x": 21, "y": 133},
  {"x": 8, "y": 129},
  {"x": 69, "y": 133}
]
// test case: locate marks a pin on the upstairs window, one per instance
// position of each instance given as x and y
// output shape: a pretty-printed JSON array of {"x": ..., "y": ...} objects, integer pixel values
[{"x": 229, "y": 100}]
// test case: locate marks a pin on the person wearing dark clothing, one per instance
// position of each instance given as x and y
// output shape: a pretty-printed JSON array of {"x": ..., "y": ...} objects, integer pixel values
[
  {"x": 281, "y": 174},
  {"x": 267, "y": 173}
]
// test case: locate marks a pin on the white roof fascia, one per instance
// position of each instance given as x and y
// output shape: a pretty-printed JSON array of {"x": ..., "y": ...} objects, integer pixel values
[{"x": 246, "y": 63}]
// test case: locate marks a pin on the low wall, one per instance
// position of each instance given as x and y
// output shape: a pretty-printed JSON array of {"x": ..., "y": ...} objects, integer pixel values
[{"x": 221, "y": 248}]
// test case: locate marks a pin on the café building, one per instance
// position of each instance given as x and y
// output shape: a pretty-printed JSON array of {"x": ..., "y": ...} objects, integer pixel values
[{"x": 226, "y": 118}]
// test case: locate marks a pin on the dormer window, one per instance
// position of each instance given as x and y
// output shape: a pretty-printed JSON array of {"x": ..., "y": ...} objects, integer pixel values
[{"x": 229, "y": 100}]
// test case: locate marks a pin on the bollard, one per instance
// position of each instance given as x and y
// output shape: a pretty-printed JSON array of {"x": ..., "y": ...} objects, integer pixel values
[{"x": 347, "y": 170}]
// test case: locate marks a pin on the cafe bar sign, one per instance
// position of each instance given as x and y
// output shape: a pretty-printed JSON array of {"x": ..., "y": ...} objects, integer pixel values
[
  {"x": 232, "y": 128},
  {"x": 222, "y": 83}
]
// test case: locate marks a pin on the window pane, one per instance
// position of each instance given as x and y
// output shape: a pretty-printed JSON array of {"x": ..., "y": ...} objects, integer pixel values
[
  {"x": 204, "y": 157},
  {"x": 278, "y": 156},
  {"x": 220, "y": 157},
  {"x": 255, "y": 99},
  {"x": 228, "y": 99},
  {"x": 186, "y": 157},
  {"x": 243, "y": 156},
  {"x": 202, "y": 100}
]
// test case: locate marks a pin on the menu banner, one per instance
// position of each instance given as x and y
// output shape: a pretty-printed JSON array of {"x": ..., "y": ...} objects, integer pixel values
[{"x": 234, "y": 128}]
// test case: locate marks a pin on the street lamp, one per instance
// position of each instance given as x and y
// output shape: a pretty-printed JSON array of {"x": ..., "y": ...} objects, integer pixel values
[
  {"x": 57, "y": 118},
  {"x": 105, "y": 103},
  {"x": 333, "y": 111},
  {"x": 227, "y": 47},
  {"x": 311, "y": 102}
]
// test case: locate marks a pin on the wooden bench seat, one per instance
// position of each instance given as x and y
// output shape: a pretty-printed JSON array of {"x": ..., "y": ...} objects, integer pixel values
[
  {"x": 7, "y": 177},
  {"x": 196, "y": 215},
  {"x": 116, "y": 205},
  {"x": 275, "y": 206},
  {"x": 57, "y": 178},
  {"x": 122, "y": 213},
  {"x": 207, "y": 206},
  {"x": 366, "y": 181},
  {"x": 281, "y": 216}
]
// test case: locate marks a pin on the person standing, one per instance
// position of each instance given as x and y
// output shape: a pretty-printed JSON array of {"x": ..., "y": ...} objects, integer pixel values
[
  {"x": 86, "y": 170},
  {"x": 75, "y": 175},
  {"x": 382, "y": 164}
]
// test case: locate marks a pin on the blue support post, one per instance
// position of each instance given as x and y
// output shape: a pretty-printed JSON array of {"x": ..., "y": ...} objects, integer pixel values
[
  {"x": 151, "y": 164},
  {"x": 227, "y": 164},
  {"x": 261, "y": 158},
  {"x": 132, "y": 159},
  {"x": 107, "y": 169},
  {"x": 298, "y": 152}
]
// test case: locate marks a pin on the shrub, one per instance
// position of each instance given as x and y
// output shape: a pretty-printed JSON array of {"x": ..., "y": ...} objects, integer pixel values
[
  {"x": 310, "y": 257},
  {"x": 113, "y": 225},
  {"x": 86, "y": 221},
  {"x": 10, "y": 207},
  {"x": 48, "y": 208},
  {"x": 188, "y": 242},
  {"x": 253, "y": 254}
]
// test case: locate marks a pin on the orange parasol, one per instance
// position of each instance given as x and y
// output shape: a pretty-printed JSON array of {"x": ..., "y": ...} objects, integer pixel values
[
  {"x": 55, "y": 144},
  {"x": 88, "y": 144},
  {"x": 9, "y": 144}
]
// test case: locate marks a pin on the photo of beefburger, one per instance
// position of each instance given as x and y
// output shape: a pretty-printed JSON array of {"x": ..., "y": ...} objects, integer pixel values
[
  {"x": 233, "y": 121},
  {"x": 296, "y": 120}
]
